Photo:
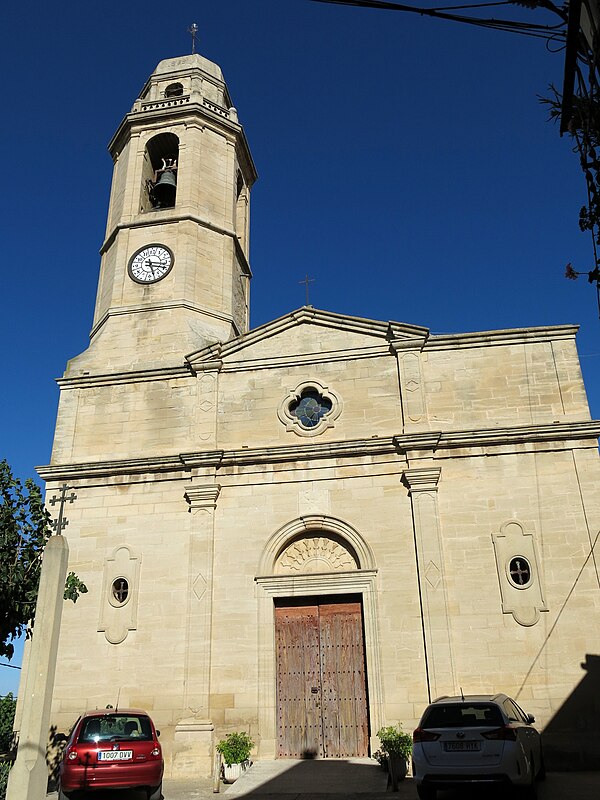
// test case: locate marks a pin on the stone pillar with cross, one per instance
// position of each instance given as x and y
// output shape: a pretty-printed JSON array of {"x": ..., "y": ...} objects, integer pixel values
[
  {"x": 29, "y": 776},
  {"x": 61, "y": 522},
  {"x": 57, "y": 525}
]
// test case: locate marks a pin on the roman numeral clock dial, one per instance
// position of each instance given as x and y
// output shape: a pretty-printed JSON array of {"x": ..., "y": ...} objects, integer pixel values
[{"x": 150, "y": 264}]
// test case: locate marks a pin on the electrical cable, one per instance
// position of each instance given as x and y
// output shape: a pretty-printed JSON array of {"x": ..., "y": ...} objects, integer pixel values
[{"x": 510, "y": 26}]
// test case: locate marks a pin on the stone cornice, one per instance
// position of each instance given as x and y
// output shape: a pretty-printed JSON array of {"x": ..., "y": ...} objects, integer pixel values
[
  {"x": 427, "y": 444},
  {"x": 328, "y": 319},
  {"x": 183, "y": 462},
  {"x": 414, "y": 343},
  {"x": 208, "y": 358},
  {"x": 304, "y": 359},
  {"x": 208, "y": 458},
  {"x": 173, "y": 217},
  {"x": 204, "y": 496},
  {"x": 339, "y": 581},
  {"x": 557, "y": 431},
  {"x": 177, "y": 114},
  {"x": 383, "y": 334},
  {"x": 308, "y": 452},
  {"x": 456, "y": 341},
  {"x": 428, "y": 440},
  {"x": 135, "y": 376},
  {"x": 97, "y": 469},
  {"x": 160, "y": 306},
  {"x": 422, "y": 480}
]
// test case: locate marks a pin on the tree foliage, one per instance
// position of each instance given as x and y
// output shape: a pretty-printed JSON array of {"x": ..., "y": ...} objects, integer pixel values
[
  {"x": 24, "y": 530},
  {"x": 8, "y": 704},
  {"x": 584, "y": 130}
]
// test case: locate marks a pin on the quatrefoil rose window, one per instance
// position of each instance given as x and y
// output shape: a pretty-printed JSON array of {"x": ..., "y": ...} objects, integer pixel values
[{"x": 309, "y": 409}]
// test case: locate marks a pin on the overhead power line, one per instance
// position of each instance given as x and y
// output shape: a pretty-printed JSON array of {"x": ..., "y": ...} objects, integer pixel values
[{"x": 444, "y": 12}]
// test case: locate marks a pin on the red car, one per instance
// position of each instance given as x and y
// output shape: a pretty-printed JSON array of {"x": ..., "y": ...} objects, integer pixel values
[{"x": 112, "y": 749}]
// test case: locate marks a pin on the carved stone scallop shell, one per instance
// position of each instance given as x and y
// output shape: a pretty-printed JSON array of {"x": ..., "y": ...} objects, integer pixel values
[{"x": 315, "y": 554}]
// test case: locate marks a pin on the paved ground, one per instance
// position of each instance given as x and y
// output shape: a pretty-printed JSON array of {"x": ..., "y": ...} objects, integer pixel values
[{"x": 355, "y": 779}]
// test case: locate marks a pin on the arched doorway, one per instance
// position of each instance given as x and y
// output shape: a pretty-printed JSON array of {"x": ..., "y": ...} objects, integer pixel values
[{"x": 318, "y": 582}]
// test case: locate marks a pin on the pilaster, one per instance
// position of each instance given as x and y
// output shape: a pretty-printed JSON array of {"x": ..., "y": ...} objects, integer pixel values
[
  {"x": 409, "y": 354},
  {"x": 193, "y": 743},
  {"x": 422, "y": 486}
]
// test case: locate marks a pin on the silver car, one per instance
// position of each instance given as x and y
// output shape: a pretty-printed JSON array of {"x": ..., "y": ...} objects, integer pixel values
[{"x": 476, "y": 740}]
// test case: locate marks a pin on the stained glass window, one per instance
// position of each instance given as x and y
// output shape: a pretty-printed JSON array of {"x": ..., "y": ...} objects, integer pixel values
[
  {"x": 520, "y": 571},
  {"x": 311, "y": 407},
  {"x": 120, "y": 590}
]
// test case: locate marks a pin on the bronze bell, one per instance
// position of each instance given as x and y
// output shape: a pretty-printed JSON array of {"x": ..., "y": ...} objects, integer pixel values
[{"x": 163, "y": 192}]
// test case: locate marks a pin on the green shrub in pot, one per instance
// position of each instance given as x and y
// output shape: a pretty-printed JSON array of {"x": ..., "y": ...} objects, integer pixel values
[{"x": 235, "y": 747}]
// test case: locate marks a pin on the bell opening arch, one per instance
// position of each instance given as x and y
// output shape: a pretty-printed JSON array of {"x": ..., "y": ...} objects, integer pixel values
[
  {"x": 159, "y": 173},
  {"x": 313, "y": 557}
]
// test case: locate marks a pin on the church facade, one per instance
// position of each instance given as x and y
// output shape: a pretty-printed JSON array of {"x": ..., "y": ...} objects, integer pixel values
[{"x": 310, "y": 529}]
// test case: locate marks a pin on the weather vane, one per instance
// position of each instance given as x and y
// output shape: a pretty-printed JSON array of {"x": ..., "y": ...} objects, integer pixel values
[{"x": 193, "y": 29}]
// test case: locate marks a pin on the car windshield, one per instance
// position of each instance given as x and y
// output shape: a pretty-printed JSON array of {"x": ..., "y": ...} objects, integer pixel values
[
  {"x": 116, "y": 727},
  {"x": 458, "y": 715}
]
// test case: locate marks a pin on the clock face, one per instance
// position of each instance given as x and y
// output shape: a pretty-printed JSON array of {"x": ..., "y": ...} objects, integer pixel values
[{"x": 151, "y": 263}]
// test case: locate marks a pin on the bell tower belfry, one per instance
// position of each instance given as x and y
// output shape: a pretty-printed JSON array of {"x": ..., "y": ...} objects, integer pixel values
[{"x": 174, "y": 273}]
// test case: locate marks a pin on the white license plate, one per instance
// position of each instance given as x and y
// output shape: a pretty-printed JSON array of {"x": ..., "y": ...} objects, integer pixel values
[
  {"x": 115, "y": 755},
  {"x": 451, "y": 746}
]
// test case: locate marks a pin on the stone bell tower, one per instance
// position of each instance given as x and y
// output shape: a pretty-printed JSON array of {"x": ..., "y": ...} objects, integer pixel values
[{"x": 174, "y": 275}]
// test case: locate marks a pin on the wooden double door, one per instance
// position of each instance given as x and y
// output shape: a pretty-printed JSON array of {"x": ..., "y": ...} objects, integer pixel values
[{"x": 321, "y": 683}]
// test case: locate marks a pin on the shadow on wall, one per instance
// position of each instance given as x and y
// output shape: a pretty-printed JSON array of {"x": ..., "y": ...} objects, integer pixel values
[
  {"x": 572, "y": 737},
  {"x": 57, "y": 743}
]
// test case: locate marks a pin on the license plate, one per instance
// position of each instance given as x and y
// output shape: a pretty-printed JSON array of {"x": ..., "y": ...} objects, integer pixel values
[
  {"x": 452, "y": 746},
  {"x": 115, "y": 755}
]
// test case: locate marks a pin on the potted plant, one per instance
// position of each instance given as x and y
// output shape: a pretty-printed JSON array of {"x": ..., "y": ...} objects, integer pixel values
[
  {"x": 382, "y": 759},
  {"x": 397, "y": 746},
  {"x": 235, "y": 750}
]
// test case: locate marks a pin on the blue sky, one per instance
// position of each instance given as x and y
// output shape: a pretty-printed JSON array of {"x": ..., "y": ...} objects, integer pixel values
[{"x": 404, "y": 163}]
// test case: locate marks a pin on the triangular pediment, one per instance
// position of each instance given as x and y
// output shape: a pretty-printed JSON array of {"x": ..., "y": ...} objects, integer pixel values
[{"x": 290, "y": 336}]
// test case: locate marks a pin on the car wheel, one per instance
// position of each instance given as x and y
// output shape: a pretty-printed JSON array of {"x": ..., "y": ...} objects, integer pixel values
[
  {"x": 64, "y": 796},
  {"x": 426, "y": 792},
  {"x": 155, "y": 792}
]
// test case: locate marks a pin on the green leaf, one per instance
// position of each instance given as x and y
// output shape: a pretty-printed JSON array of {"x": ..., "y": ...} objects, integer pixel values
[{"x": 24, "y": 530}]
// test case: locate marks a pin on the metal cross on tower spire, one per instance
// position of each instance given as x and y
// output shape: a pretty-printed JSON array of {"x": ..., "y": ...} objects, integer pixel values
[
  {"x": 59, "y": 524},
  {"x": 193, "y": 29}
]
